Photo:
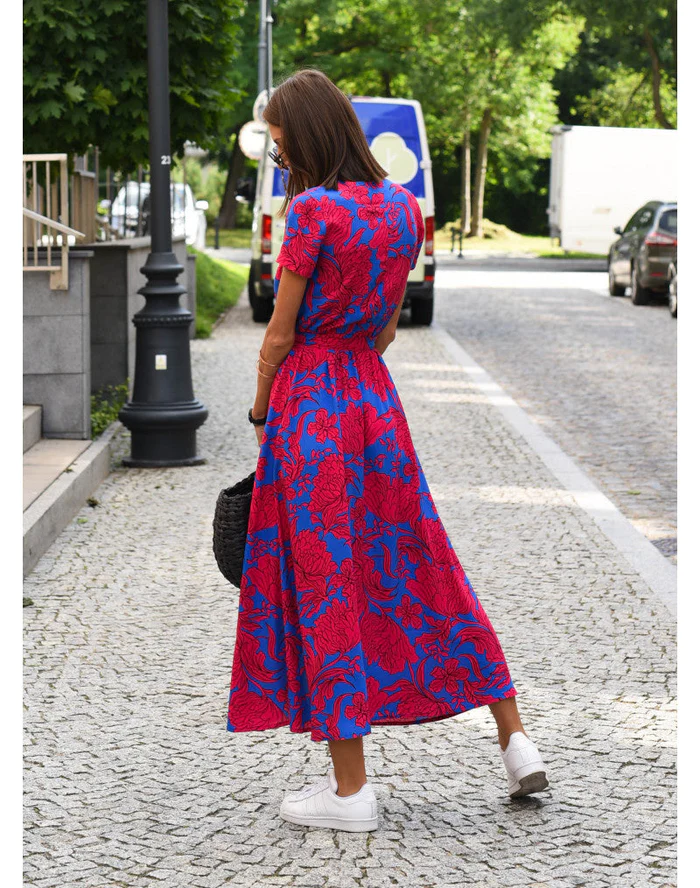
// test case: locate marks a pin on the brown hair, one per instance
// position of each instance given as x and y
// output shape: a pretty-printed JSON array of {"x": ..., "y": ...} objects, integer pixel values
[{"x": 323, "y": 140}]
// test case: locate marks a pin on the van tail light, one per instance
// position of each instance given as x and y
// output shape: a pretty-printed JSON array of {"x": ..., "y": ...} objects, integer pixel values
[
  {"x": 658, "y": 239},
  {"x": 429, "y": 235},
  {"x": 267, "y": 234}
]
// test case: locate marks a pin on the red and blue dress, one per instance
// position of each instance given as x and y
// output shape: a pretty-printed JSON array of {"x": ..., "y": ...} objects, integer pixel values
[{"x": 354, "y": 609}]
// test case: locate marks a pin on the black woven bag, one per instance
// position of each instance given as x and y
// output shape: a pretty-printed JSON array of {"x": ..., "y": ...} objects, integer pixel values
[{"x": 231, "y": 528}]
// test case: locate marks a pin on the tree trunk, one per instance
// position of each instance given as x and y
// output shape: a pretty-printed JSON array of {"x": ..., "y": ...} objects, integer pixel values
[
  {"x": 229, "y": 205},
  {"x": 386, "y": 77},
  {"x": 656, "y": 81},
  {"x": 466, "y": 195},
  {"x": 477, "y": 226}
]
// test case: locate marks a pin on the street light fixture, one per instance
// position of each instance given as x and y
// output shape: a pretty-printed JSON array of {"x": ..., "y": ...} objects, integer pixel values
[{"x": 163, "y": 415}]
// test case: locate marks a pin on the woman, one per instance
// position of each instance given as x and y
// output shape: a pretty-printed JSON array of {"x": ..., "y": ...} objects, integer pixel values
[{"x": 354, "y": 608}]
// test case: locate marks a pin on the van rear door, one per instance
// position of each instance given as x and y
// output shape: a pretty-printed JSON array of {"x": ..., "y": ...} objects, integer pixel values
[{"x": 396, "y": 134}]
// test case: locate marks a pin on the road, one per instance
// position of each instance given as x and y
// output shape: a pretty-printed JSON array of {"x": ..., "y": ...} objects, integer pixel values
[{"x": 597, "y": 373}]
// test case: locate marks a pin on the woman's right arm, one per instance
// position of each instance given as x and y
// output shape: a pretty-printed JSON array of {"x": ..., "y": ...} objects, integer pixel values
[{"x": 388, "y": 334}]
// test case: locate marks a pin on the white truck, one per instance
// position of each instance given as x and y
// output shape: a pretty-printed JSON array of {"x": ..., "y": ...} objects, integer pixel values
[{"x": 601, "y": 175}]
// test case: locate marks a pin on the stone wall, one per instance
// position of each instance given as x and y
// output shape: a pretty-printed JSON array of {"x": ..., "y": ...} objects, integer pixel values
[{"x": 56, "y": 357}]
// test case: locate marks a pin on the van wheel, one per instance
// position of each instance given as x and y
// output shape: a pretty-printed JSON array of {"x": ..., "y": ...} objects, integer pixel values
[
  {"x": 251, "y": 288},
  {"x": 262, "y": 309},
  {"x": 422, "y": 311}
]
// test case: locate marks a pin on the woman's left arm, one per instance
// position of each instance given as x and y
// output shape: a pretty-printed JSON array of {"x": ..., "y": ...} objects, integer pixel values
[{"x": 279, "y": 336}]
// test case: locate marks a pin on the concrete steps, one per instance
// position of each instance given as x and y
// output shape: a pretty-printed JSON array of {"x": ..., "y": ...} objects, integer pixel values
[
  {"x": 45, "y": 461},
  {"x": 32, "y": 425},
  {"x": 59, "y": 474}
]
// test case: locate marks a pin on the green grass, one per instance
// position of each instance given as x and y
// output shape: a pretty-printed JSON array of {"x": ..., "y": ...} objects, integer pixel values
[
  {"x": 500, "y": 239},
  {"x": 497, "y": 239},
  {"x": 219, "y": 284},
  {"x": 229, "y": 237}
]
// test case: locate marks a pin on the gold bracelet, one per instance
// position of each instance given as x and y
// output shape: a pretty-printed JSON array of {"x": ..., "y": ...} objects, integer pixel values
[
  {"x": 266, "y": 375},
  {"x": 267, "y": 362}
]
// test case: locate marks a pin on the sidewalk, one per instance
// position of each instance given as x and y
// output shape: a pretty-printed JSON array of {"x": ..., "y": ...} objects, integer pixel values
[{"x": 132, "y": 780}]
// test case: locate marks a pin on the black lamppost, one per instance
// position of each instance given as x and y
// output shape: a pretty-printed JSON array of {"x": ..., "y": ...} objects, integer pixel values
[{"x": 163, "y": 415}]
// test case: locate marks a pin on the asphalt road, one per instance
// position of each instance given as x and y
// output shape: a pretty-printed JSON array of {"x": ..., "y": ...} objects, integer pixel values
[{"x": 596, "y": 372}]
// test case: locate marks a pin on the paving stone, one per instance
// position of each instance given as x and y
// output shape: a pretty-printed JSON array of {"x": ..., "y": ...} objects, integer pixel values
[{"x": 129, "y": 768}]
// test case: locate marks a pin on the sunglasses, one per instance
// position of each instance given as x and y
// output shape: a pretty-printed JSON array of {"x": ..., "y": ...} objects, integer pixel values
[{"x": 276, "y": 158}]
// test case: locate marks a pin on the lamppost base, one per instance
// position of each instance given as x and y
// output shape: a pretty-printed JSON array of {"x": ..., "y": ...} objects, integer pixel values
[
  {"x": 154, "y": 449},
  {"x": 161, "y": 464}
]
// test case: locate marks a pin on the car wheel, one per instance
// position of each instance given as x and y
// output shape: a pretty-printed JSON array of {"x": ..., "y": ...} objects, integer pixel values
[
  {"x": 640, "y": 295},
  {"x": 422, "y": 312},
  {"x": 673, "y": 296},
  {"x": 614, "y": 288}
]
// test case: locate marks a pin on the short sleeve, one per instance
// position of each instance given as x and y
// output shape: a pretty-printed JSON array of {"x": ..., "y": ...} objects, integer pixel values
[
  {"x": 303, "y": 235},
  {"x": 420, "y": 231}
]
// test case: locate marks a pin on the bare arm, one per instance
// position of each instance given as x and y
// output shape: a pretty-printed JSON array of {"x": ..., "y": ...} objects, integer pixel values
[
  {"x": 388, "y": 334},
  {"x": 279, "y": 335}
]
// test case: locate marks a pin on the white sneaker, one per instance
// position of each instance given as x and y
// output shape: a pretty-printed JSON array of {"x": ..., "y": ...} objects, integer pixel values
[
  {"x": 320, "y": 805},
  {"x": 526, "y": 773}
]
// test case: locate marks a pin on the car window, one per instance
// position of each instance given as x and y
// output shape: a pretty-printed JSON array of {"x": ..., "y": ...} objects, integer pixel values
[
  {"x": 645, "y": 218},
  {"x": 178, "y": 200},
  {"x": 668, "y": 221},
  {"x": 632, "y": 224}
]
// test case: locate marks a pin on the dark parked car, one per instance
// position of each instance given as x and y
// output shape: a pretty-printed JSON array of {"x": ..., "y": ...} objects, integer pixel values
[{"x": 641, "y": 256}]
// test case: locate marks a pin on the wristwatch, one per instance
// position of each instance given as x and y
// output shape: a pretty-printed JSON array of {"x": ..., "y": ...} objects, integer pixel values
[{"x": 260, "y": 421}]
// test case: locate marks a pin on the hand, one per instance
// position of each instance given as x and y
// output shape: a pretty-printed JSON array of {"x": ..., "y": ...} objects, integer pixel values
[{"x": 259, "y": 429}]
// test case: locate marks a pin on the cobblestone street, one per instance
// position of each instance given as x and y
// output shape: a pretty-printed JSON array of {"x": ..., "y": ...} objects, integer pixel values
[
  {"x": 596, "y": 372},
  {"x": 131, "y": 778}
]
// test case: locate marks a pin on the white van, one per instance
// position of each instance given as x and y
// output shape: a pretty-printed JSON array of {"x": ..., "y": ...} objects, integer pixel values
[{"x": 396, "y": 134}]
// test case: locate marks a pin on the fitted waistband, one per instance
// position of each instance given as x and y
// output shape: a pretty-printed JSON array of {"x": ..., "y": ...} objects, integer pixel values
[{"x": 326, "y": 340}]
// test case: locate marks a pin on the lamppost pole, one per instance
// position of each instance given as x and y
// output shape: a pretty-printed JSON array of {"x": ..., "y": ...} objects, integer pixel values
[
  {"x": 262, "y": 46},
  {"x": 163, "y": 415},
  {"x": 269, "y": 20}
]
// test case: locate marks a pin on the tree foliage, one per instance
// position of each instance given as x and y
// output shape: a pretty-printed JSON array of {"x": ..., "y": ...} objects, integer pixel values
[
  {"x": 86, "y": 82},
  {"x": 639, "y": 62},
  {"x": 493, "y": 76}
]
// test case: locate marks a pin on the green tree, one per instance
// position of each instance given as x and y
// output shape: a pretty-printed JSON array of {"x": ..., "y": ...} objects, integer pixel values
[
  {"x": 364, "y": 46},
  {"x": 644, "y": 36},
  {"x": 243, "y": 78},
  {"x": 86, "y": 83},
  {"x": 496, "y": 59}
]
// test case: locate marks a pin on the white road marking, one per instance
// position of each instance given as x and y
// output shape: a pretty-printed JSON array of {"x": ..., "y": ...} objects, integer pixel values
[{"x": 657, "y": 571}]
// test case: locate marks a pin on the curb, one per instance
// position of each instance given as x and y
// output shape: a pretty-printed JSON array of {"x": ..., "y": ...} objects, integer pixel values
[
  {"x": 654, "y": 568},
  {"x": 49, "y": 514}
]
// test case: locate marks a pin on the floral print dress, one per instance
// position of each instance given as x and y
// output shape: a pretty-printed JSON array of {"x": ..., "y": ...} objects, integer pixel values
[{"x": 354, "y": 609}]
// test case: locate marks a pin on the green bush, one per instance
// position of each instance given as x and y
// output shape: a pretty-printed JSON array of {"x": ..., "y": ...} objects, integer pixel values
[
  {"x": 219, "y": 284},
  {"x": 105, "y": 405}
]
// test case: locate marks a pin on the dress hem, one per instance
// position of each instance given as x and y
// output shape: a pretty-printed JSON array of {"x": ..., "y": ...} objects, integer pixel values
[{"x": 376, "y": 722}]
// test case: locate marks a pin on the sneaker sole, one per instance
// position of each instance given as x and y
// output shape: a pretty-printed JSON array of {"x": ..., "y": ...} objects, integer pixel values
[
  {"x": 333, "y": 823},
  {"x": 536, "y": 782}
]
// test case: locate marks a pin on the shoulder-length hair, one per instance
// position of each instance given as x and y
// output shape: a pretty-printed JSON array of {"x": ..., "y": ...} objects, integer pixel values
[{"x": 323, "y": 142}]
